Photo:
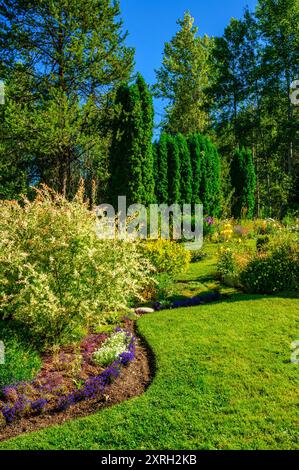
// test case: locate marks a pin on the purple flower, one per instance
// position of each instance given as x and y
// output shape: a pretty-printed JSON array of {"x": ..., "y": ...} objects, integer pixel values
[
  {"x": 209, "y": 220},
  {"x": 38, "y": 405}
]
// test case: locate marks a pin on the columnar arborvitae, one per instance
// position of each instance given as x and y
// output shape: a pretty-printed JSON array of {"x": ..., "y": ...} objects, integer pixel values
[
  {"x": 210, "y": 188},
  {"x": 161, "y": 170},
  {"x": 196, "y": 151},
  {"x": 126, "y": 159},
  {"x": 243, "y": 181},
  {"x": 146, "y": 142},
  {"x": 131, "y": 162},
  {"x": 174, "y": 176},
  {"x": 185, "y": 170}
]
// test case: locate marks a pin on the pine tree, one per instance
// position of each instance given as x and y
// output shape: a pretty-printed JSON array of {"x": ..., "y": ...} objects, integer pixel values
[
  {"x": 185, "y": 170},
  {"x": 174, "y": 168},
  {"x": 161, "y": 170},
  {"x": 146, "y": 142},
  {"x": 195, "y": 145},
  {"x": 67, "y": 58},
  {"x": 183, "y": 78}
]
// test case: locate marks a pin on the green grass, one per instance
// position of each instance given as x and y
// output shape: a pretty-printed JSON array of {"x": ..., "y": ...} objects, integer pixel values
[
  {"x": 201, "y": 277},
  {"x": 224, "y": 381},
  {"x": 22, "y": 361}
]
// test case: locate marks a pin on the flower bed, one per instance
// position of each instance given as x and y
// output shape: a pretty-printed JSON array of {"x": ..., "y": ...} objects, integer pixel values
[{"x": 67, "y": 377}]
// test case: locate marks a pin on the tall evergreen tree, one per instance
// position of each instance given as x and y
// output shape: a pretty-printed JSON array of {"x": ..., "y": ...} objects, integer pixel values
[
  {"x": 174, "y": 176},
  {"x": 195, "y": 144},
  {"x": 210, "y": 189},
  {"x": 185, "y": 170},
  {"x": 146, "y": 143},
  {"x": 66, "y": 58},
  {"x": 161, "y": 170},
  {"x": 126, "y": 162},
  {"x": 244, "y": 183},
  {"x": 132, "y": 145},
  {"x": 183, "y": 77}
]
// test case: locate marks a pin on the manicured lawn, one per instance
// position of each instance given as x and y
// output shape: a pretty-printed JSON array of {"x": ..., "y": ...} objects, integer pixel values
[{"x": 224, "y": 381}]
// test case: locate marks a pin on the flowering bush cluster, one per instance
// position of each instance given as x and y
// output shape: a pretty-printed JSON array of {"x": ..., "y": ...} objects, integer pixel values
[
  {"x": 56, "y": 391},
  {"x": 272, "y": 268},
  {"x": 166, "y": 256},
  {"x": 56, "y": 276}
]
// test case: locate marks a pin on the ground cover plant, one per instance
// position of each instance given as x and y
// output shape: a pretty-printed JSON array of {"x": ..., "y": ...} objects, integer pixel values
[{"x": 69, "y": 376}]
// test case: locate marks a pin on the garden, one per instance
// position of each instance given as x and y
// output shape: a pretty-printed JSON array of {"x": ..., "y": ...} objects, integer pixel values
[
  {"x": 172, "y": 324},
  {"x": 89, "y": 324}
]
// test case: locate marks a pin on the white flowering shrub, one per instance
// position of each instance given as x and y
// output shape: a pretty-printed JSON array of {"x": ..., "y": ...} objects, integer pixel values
[
  {"x": 112, "y": 348},
  {"x": 56, "y": 276}
]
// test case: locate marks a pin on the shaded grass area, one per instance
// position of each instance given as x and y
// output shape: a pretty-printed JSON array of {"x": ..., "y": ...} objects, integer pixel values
[
  {"x": 201, "y": 277},
  {"x": 224, "y": 380},
  {"x": 22, "y": 361}
]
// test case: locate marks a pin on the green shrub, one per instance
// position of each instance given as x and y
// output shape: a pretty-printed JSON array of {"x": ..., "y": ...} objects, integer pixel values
[
  {"x": 112, "y": 348},
  {"x": 22, "y": 360},
  {"x": 226, "y": 263},
  {"x": 165, "y": 287},
  {"x": 262, "y": 243},
  {"x": 274, "y": 271},
  {"x": 166, "y": 256},
  {"x": 197, "y": 255},
  {"x": 56, "y": 276}
]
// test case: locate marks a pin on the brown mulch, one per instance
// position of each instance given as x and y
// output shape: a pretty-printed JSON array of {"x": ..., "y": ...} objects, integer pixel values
[{"x": 132, "y": 382}]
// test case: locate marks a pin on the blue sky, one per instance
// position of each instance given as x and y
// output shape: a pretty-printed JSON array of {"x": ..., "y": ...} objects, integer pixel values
[{"x": 151, "y": 23}]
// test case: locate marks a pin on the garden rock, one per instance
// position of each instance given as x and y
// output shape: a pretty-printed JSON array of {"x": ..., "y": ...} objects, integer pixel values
[{"x": 144, "y": 310}]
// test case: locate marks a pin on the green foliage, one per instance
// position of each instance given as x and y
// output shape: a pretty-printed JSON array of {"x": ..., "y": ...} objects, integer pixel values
[
  {"x": 198, "y": 255},
  {"x": 255, "y": 62},
  {"x": 62, "y": 62},
  {"x": 243, "y": 180},
  {"x": 183, "y": 77},
  {"x": 195, "y": 149},
  {"x": 53, "y": 268},
  {"x": 126, "y": 158},
  {"x": 162, "y": 169},
  {"x": 165, "y": 287},
  {"x": 185, "y": 170},
  {"x": 111, "y": 349},
  {"x": 262, "y": 243},
  {"x": 166, "y": 256},
  {"x": 210, "y": 188},
  {"x": 13, "y": 182},
  {"x": 22, "y": 361},
  {"x": 131, "y": 161},
  {"x": 226, "y": 263},
  {"x": 174, "y": 170},
  {"x": 146, "y": 143},
  {"x": 274, "y": 271}
]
